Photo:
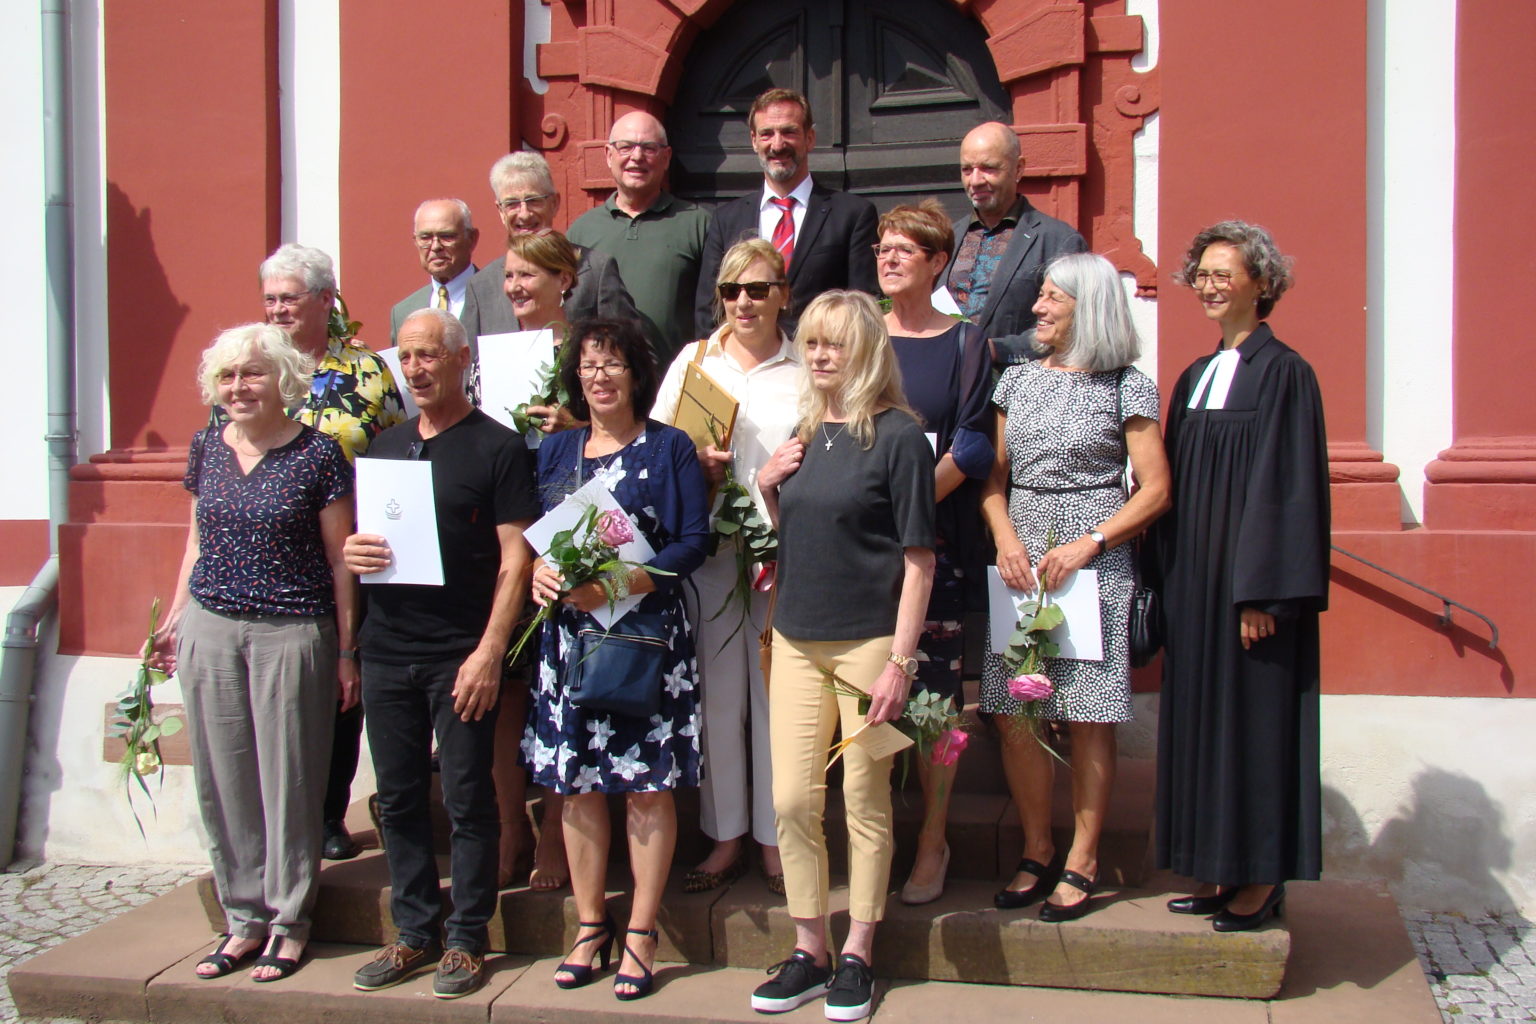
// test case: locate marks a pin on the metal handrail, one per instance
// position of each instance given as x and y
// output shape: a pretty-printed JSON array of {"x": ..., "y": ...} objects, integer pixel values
[{"x": 1446, "y": 603}]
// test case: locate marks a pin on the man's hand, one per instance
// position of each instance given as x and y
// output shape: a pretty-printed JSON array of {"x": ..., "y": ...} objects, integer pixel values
[
  {"x": 366, "y": 553},
  {"x": 477, "y": 686}
]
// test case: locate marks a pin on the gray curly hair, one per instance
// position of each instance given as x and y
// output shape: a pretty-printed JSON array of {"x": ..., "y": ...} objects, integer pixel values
[{"x": 1262, "y": 259}]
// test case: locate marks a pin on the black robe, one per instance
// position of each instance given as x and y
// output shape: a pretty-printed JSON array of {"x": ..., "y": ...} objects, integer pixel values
[{"x": 1238, "y": 791}]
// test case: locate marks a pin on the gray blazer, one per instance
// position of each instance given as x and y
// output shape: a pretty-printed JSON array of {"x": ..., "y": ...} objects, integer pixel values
[
  {"x": 599, "y": 291},
  {"x": 1007, "y": 318},
  {"x": 421, "y": 299}
]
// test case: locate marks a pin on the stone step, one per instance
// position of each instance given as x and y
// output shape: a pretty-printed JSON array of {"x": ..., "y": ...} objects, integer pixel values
[
  {"x": 1128, "y": 943},
  {"x": 1350, "y": 961},
  {"x": 984, "y": 833}
]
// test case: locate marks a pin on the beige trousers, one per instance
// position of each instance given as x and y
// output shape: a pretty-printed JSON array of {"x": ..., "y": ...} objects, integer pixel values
[{"x": 803, "y": 715}]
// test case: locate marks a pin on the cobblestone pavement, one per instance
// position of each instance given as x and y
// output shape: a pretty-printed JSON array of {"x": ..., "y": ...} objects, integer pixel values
[{"x": 1482, "y": 971}]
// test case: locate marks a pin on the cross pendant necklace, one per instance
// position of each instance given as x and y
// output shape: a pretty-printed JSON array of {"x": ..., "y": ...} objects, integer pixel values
[{"x": 834, "y": 437}]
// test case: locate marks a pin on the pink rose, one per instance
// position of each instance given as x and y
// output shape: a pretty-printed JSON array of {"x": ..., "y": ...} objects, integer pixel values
[
  {"x": 1030, "y": 687},
  {"x": 613, "y": 529},
  {"x": 948, "y": 747}
]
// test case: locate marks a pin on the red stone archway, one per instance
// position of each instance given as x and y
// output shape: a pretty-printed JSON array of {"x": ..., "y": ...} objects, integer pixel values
[{"x": 1077, "y": 102}]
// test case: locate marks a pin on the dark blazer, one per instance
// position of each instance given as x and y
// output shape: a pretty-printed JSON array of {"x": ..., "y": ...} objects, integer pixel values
[
  {"x": 421, "y": 299},
  {"x": 599, "y": 291},
  {"x": 1007, "y": 317},
  {"x": 831, "y": 251}
]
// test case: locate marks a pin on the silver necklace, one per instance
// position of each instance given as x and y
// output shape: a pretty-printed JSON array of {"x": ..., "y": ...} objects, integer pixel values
[{"x": 834, "y": 437}]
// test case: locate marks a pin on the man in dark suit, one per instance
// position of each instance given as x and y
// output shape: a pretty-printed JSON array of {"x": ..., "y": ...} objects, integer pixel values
[
  {"x": 1002, "y": 250},
  {"x": 527, "y": 200},
  {"x": 445, "y": 241},
  {"x": 827, "y": 237}
]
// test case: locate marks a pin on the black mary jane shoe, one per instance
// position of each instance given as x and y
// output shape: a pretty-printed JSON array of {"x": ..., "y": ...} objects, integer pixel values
[
  {"x": 1226, "y": 921},
  {"x": 1055, "y": 913},
  {"x": 223, "y": 962},
  {"x": 1202, "y": 906},
  {"x": 1046, "y": 878},
  {"x": 285, "y": 965}
]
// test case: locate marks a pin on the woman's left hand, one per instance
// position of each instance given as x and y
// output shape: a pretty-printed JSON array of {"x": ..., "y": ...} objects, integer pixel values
[
  {"x": 1255, "y": 626},
  {"x": 1063, "y": 560},
  {"x": 888, "y": 697},
  {"x": 587, "y": 596},
  {"x": 349, "y": 683}
]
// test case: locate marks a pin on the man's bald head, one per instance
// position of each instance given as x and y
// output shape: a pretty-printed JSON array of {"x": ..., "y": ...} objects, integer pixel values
[
  {"x": 638, "y": 158},
  {"x": 990, "y": 168}
]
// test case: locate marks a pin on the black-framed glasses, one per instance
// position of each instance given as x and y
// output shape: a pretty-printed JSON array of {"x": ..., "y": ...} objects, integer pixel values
[
  {"x": 757, "y": 291},
  {"x": 586, "y": 371}
]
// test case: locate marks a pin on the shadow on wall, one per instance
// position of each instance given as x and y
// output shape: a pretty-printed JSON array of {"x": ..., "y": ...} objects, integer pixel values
[
  {"x": 156, "y": 310},
  {"x": 1439, "y": 852},
  {"x": 45, "y": 771}
]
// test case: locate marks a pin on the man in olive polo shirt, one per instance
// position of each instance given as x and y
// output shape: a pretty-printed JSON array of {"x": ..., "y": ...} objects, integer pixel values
[{"x": 656, "y": 238}]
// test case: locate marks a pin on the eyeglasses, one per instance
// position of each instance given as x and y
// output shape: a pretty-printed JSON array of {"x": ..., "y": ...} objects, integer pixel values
[
  {"x": 624, "y": 147},
  {"x": 289, "y": 301},
  {"x": 586, "y": 371},
  {"x": 757, "y": 291},
  {"x": 901, "y": 252},
  {"x": 1219, "y": 278},
  {"x": 228, "y": 378},
  {"x": 424, "y": 239},
  {"x": 508, "y": 205}
]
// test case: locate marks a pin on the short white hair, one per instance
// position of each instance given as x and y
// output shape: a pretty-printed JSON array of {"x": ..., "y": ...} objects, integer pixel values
[
  {"x": 521, "y": 164},
  {"x": 311, "y": 266},
  {"x": 454, "y": 338}
]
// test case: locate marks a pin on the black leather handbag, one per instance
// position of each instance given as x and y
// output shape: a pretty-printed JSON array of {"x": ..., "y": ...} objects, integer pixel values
[
  {"x": 1146, "y": 622},
  {"x": 618, "y": 670}
]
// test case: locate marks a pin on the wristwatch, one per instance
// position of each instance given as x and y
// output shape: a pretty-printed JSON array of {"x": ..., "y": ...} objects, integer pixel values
[
  {"x": 347, "y": 654},
  {"x": 1098, "y": 538},
  {"x": 908, "y": 665}
]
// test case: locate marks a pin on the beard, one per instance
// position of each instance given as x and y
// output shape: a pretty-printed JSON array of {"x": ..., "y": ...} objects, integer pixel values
[{"x": 780, "y": 172}]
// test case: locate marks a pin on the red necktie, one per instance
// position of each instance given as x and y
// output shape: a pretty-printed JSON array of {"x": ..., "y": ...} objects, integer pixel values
[{"x": 784, "y": 233}]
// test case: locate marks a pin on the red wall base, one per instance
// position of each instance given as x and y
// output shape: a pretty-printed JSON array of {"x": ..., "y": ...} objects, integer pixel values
[
  {"x": 1480, "y": 506},
  {"x": 23, "y": 549}
]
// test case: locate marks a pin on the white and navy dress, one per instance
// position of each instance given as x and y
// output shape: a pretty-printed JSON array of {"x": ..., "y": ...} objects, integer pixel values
[{"x": 1066, "y": 457}]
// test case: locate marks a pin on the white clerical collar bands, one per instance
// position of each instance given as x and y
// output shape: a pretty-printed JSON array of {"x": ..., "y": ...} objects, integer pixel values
[{"x": 1216, "y": 381}]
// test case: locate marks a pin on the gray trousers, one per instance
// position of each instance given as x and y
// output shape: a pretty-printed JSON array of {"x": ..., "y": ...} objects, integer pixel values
[{"x": 260, "y": 694}]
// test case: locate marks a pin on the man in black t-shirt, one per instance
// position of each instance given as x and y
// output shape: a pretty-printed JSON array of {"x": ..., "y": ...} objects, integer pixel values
[{"x": 432, "y": 659}]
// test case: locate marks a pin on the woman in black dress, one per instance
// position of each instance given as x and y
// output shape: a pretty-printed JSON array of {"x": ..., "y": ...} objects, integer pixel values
[{"x": 1244, "y": 564}]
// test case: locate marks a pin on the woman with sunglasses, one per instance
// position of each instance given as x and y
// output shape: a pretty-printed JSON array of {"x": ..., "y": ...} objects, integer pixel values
[
  {"x": 946, "y": 368},
  {"x": 750, "y": 356}
]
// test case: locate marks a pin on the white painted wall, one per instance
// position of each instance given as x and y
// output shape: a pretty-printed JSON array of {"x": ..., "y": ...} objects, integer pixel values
[
  {"x": 1411, "y": 151},
  {"x": 309, "y": 69}
]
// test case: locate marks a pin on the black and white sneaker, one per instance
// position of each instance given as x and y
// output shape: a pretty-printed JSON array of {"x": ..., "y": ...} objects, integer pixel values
[
  {"x": 796, "y": 981},
  {"x": 851, "y": 990}
]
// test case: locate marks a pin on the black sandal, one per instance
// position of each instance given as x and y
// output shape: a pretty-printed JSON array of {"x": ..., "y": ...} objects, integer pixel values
[
  {"x": 225, "y": 962},
  {"x": 640, "y": 983},
  {"x": 285, "y": 965}
]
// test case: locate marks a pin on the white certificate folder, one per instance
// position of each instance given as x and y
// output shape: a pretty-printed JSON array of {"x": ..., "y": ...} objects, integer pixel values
[
  {"x": 395, "y": 501},
  {"x": 1080, "y": 636}
]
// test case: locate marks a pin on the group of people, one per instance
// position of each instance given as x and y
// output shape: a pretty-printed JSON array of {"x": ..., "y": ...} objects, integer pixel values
[{"x": 894, "y": 464}]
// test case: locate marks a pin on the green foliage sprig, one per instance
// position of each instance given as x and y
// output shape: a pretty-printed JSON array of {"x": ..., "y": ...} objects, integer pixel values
[{"x": 135, "y": 724}]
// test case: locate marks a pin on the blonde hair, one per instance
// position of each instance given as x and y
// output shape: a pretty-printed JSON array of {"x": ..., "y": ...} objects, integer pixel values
[
  {"x": 268, "y": 345},
  {"x": 871, "y": 376},
  {"x": 741, "y": 256}
]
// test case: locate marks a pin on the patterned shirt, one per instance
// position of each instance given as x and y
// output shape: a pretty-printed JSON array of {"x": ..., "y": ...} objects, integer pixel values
[
  {"x": 981, "y": 250},
  {"x": 260, "y": 551},
  {"x": 351, "y": 398}
]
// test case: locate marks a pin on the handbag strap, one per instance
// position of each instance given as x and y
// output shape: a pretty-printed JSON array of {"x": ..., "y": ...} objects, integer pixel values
[
  {"x": 766, "y": 636},
  {"x": 698, "y": 352}
]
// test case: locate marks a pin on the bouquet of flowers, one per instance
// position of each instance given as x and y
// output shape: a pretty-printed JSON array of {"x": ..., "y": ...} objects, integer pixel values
[
  {"x": 135, "y": 724},
  {"x": 588, "y": 551},
  {"x": 1027, "y": 644},
  {"x": 739, "y": 524},
  {"x": 931, "y": 721}
]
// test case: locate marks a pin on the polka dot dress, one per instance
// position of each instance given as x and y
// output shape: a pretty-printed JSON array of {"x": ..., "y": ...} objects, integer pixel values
[{"x": 1066, "y": 457}]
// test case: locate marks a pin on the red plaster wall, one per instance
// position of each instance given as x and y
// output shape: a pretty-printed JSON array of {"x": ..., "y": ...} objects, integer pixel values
[
  {"x": 23, "y": 548},
  {"x": 1264, "y": 119},
  {"x": 192, "y": 197},
  {"x": 426, "y": 108}
]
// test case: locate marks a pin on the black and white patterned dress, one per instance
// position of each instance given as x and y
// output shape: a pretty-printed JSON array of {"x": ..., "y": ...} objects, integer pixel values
[{"x": 1066, "y": 454}]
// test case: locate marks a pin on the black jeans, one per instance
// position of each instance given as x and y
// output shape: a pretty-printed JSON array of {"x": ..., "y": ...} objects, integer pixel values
[
  {"x": 345, "y": 747},
  {"x": 404, "y": 705}
]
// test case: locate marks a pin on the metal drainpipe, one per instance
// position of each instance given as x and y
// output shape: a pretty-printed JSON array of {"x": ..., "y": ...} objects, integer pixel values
[{"x": 19, "y": 661}]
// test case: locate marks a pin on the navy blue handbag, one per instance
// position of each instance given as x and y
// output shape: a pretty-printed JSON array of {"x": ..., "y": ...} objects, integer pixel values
[{"x": 618, "y": 671}]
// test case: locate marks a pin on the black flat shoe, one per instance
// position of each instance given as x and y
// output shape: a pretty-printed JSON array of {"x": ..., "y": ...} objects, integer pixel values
[
  {"x": 1226, "y": 921},
  {"x": 1046, "y": 878},
  {"x": 225, "y": 962},
  {"x": 1204, "y": 906},
  {"x": 1055, "y": 913},
  {"x": 338, "y": 844}
]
